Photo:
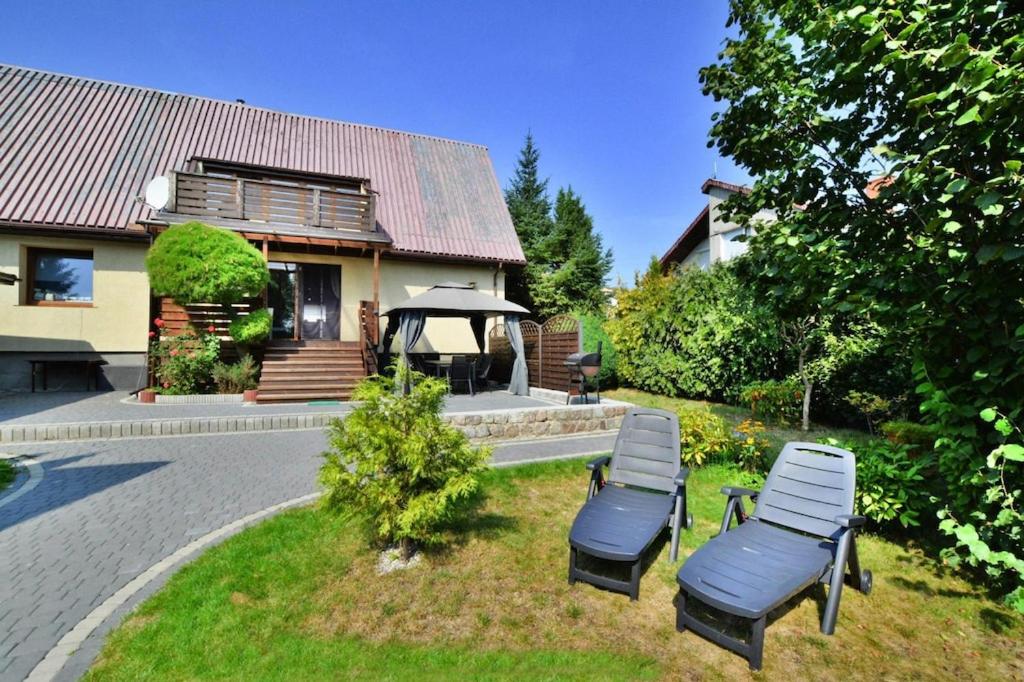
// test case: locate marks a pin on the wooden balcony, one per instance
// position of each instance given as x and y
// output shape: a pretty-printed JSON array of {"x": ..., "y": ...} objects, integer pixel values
[{"x": 275, "y": 203}]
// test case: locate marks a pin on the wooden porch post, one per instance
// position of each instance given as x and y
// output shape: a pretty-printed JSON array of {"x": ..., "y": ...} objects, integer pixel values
[
  {"x": 376, "y": 280},
  {"x": 266, "y": 259}
]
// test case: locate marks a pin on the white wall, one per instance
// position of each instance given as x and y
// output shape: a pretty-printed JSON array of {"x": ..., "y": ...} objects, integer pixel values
[{"x": 723, "y": 232}]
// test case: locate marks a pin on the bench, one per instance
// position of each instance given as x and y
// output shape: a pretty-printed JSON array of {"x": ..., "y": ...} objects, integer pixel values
[{"x": 89, "y": 363}]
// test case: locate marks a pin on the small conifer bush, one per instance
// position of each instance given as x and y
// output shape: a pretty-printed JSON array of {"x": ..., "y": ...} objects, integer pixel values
[{"x": 396, "y": 462}]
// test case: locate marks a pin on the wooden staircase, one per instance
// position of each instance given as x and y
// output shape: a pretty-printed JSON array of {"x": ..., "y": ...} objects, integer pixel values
[{"x": 300, "y": 371}]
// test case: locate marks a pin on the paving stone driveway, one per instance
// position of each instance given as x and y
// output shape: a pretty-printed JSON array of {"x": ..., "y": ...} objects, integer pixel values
[{"x": 105, "y": 511}]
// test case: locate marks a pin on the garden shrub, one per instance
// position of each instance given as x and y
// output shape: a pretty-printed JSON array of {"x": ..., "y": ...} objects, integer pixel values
[
  {"x": 184, "y": 363},
  {"x": 774, "y": 401},
  {"x": 693, "y": 333},
  {"x": 752, "y": 447},
  {"x": 920, "y": 437},
  {"x": 252, "y": 329},
  {"x": 704, "y": 437},
  {"x": 237, "y": 377},
  {"x": 593, "y": 328},
  {"x": 197, "y": 263},
  {"x": 990, "y": 537},
  {"x": 395, "y": 461},
  {"x": 891, "y": 483}
]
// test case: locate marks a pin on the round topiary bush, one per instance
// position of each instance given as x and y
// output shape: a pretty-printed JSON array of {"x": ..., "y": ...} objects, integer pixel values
[
  {"x": 197, "y": 263},
  {"x": 251, "y": 329}
]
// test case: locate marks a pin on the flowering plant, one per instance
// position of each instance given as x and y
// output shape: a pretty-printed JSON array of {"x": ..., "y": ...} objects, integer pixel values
[{"x": 184, "y": 363}]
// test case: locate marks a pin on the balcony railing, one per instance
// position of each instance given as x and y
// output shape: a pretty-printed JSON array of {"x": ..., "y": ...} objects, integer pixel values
[{"x": 270, "y": 202}]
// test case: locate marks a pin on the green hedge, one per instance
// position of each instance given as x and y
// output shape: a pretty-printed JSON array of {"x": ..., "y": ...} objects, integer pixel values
[
  {"x": 251, "y": 329},
  {"x": 594, "y": 332},
  {"x": 694, "y": 333}
]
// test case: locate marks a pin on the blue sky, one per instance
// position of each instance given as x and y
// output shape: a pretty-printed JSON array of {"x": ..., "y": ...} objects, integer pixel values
[{"x": 609, "y": 89}]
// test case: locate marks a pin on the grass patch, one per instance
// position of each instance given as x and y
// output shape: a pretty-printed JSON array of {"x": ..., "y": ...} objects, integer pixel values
[
  {"x": 777, "y": 434},
  {"x": 7, "y": 473},
  {"x": 298, "y": 597}
]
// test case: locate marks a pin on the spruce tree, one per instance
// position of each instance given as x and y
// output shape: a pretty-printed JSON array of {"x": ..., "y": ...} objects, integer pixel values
[
  {"x": 570, "y": 273},
  {"x": 530, "y": 208}
]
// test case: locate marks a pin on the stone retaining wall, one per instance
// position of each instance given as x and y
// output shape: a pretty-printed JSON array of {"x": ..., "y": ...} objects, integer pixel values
[
  {"x": 482, "y": 426},
  {"x": 537, "y": 422}
]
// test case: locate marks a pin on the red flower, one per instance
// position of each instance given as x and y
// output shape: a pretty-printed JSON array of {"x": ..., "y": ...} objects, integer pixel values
[
  {"x": 211, "y": 329},
  {"x": 152, "y": 334},
  {"x": 174, "y": 351},
  {"x": 167, "y": 384},
  {"x": 159, "y": 323}
]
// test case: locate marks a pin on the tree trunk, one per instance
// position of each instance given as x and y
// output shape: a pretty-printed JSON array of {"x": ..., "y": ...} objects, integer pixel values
[
  {"x": 406, "y": 549},
  {"x": 805, "y": 421}
]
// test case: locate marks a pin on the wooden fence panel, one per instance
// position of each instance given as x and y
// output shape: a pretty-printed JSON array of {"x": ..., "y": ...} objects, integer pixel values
[{"x": 546, "y": 347}]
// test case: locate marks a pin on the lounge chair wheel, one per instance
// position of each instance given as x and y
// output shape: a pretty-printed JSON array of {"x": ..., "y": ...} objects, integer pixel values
[
  {"x": 865, "y": 582},
  {"x": 689, "y": 521}
]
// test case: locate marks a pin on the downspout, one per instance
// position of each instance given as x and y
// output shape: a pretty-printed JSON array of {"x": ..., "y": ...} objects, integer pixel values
[{"x": 145, "y": 370}]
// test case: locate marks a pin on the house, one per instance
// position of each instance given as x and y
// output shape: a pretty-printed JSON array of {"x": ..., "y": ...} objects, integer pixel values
[
  {"x": 710, "y": 238},
  {"x": 351, "y": 219}
]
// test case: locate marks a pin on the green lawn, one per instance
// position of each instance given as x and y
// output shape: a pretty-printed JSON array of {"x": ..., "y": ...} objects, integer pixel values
[
  {"x": 7, "y": 473},
  {"x": 298, "y": 597}
]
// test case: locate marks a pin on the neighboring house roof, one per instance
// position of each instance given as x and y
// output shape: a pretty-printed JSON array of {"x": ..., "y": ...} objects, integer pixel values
[
  {"x": 696, "y": 232},
  {"x": 874, "y": 187},
  {"x": 728, "y": 186},
  {"x": 76, "y": 152}
]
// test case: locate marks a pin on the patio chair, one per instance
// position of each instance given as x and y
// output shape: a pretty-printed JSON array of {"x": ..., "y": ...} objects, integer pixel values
[
  {"x": 802, "y": 532},
  {"x": 483, "y": 368},
  {"x": 461, "y": 372},
  {"x": 645, "y": 493}
]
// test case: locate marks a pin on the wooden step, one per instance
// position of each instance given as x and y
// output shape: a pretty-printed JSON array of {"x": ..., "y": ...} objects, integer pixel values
[
  {"x": 305, "y": 387},
  {"x": 297, "y": 371},
  {"x": 307, "y": 360},
  {"x": 303, "y": 397},
  {"x": 312, "y": 371},
  {"x": 287, "y": 357},
  {"x": 312, "y": 345}
]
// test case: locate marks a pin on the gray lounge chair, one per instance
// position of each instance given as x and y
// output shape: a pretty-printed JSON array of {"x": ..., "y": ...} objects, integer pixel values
[
  {"x": 802, "y": 532},
  {"x": 644, "y": 493}
]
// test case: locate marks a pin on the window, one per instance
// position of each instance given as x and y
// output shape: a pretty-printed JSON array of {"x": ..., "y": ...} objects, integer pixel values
[{"x": 59, "y": 277}]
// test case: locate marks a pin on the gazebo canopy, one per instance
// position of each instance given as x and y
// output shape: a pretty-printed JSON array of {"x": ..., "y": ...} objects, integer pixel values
[{"x": 455, "y": 299}]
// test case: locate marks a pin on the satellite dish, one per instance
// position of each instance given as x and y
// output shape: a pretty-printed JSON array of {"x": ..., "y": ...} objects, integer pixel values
[{"x": 158, "y": 192}]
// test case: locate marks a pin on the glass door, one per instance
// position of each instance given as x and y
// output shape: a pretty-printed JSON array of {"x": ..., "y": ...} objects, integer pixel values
[
  {"x": 281, "y": 297},
  {"x": 321, "y": 301}
]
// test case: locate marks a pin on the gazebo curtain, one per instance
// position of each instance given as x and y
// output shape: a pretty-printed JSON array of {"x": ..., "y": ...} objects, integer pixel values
[
  {"x": 478, "y": 323},
  {"x": 410, "y": 328},
  {"x": 517, "y": 383}
]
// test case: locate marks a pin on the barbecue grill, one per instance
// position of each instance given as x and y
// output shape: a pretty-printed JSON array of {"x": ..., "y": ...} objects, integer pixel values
[{"x": 583, "y": 366}]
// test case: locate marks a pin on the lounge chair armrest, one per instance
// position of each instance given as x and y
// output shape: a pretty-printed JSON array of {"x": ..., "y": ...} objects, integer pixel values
[
  {"x": 851, "y": 520},
  {"x": 598, "y": 462},
  {"x": 680, "y": 478},
  {"x": 736, "y": 491}
]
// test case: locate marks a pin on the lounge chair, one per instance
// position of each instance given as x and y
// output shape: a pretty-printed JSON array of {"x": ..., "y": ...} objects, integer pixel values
[
  {"x": 644, "y": 493},
  {"x": 802, "y": 532}
]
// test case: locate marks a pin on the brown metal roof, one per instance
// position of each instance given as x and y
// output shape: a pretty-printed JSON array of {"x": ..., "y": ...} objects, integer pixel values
[
  {"x": 721, "y": 184},
  {"x": 696, "y": 232},
  {"x": 76, "y": 152}
]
